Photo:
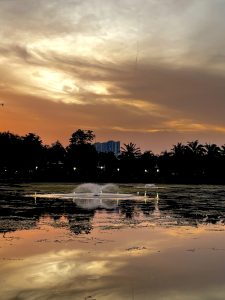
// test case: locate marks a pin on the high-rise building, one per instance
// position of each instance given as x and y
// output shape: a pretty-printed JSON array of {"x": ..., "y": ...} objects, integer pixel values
[{"x": 110, "y": 146}]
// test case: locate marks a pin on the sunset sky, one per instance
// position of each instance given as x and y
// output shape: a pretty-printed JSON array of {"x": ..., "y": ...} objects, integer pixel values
[{"x": 150, "y": 72}]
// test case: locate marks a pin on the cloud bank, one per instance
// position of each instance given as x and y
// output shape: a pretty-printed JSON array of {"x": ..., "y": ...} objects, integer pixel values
[{"x": 148, "y": 71}]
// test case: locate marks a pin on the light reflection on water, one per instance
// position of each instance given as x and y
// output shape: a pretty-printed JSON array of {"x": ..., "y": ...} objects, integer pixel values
[{"x": 166, "y": 247}]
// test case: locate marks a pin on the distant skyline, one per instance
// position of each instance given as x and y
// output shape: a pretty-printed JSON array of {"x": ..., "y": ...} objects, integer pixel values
[{"x": 150, "y": 72}]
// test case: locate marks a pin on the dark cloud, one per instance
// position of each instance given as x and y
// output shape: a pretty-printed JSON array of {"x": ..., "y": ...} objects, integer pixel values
[{"x": 190, "y": 92}]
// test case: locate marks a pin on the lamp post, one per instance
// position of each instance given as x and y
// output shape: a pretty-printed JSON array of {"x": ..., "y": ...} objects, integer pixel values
[{"x": 157, "y": 168}]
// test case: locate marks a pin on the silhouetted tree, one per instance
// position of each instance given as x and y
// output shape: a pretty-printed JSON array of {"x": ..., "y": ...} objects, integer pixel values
[
  {"x": 147, "y": 163},
  {"x": 195, "y": 160},
  {"x": 80, "y": 137},
  {"x": 178, "y": 150},
  {"x": 213, "y": 165},
  {"x": 26, "y": 157},
  {"x": 82, "y": 155},
  {"x": 196, "y": 148},
  {"x": 222, "y": 150},
  {"x": 107, "y": 166},
  {"x": 129, "y": 162},
  {"x": 179, "y": 162},
  {"x": 10, "y": 152},
  {"x": 165, "y": 162},
  {"x": 130, "y": 151},
  {"x": 212, "y": 150},
  {"x": 33, "y": 151},
  {"x": 56, "y": 153}
]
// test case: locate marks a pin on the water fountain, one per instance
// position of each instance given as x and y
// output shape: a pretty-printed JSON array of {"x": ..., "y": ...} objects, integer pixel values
[
  {"x": 96, "y": 189},
  {"x": 91, "y": 191}
]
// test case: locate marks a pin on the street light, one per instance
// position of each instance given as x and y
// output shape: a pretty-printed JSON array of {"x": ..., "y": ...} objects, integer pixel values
[{"x": 157, "y": 169}]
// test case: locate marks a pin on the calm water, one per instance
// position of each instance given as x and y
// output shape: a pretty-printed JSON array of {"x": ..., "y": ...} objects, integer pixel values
[{"x": 168, "y": 246}]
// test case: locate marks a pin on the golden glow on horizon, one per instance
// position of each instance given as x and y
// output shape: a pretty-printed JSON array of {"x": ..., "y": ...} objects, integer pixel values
[
  {"x": 189, "y": 125},
  {"x": 135, "y": 130}
]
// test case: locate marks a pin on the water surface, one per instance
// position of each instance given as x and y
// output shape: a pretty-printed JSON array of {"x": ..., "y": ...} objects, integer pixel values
[{"x": 170, "y": 245}]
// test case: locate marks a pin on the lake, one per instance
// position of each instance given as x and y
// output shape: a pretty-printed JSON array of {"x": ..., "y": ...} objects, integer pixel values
[{"x": 169, "y": 244}]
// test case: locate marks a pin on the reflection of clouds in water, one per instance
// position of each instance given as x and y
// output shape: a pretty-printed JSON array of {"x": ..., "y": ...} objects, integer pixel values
[
  {"x": 156, "y": 262},
  {"x": 65, "y": 274},
  {"x": 62, "y": 271},
  {"x": 112, "y": 275},
  {"x": 175, "y": 251}
]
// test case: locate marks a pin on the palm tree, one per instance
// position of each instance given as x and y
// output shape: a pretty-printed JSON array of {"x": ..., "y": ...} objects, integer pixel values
[
  {"x": 195, "y": 148},
  {"x": 222, "y": 150},
  {"x": 213, "y": 167},
  {"x": 177, "y": 162},
  {"x": 129, "y": 162},
  {"x": 147, "y": 162},
  {"x": 195, "y": 161},
  {"x": 178, "y": 150},
  {"x": 212, "y": 150},
  {"x": 130, "y": 151}
]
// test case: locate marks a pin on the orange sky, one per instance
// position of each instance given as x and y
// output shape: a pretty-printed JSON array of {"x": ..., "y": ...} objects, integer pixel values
[{"x": 150, "y": 72}]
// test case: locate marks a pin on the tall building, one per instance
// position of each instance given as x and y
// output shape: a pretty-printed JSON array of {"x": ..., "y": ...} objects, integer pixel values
[{"x": 110, "y": 146}]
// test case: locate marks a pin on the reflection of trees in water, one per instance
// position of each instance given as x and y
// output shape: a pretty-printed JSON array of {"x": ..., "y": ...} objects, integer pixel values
[
  {"x": 193, "y": 206},
  {"x": 127, "y": 207},
  {"x": 147, "y": 207},
  {"x": 12, "y": 224},
  {"x": 24, "y": 213},
  {"x": 184, "y": 207},
  {"x": 15, "y": 214},
  {"x": 80, "y": 224}
]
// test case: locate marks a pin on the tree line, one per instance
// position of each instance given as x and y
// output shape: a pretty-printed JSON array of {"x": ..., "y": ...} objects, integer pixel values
[{"x": 27, "y": 158}]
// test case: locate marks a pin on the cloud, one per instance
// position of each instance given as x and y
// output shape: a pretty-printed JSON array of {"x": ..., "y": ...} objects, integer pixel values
[
  {"x": 115, "y": 66},
  {"x": 154, "y": 98}
]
